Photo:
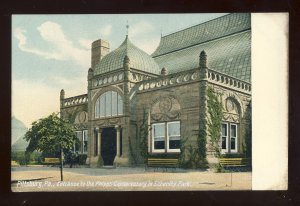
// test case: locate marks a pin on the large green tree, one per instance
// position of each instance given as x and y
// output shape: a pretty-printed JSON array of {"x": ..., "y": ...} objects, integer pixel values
[{"x": 50, "y": 135}]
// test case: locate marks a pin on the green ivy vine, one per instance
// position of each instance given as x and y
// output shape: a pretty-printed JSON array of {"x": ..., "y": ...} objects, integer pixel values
[
  {"x": 215, "y": 112},
  {"x": 143, "y": 136}
]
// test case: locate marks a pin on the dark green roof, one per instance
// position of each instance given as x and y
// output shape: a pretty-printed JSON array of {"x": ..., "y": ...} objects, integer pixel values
[
  {"x": 226, "y": 41},
  {"x": 139, "y": 59}
]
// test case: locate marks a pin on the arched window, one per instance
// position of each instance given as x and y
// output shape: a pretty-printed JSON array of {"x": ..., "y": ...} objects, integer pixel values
[{"x": 109, "y": 104}]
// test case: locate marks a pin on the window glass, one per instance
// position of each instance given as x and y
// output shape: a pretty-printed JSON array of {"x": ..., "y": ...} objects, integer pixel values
[
  {"x": 85, "y": 140},
  {"x": 233, "y": 130},
  {"x": 159, "y": 130},
  {"x": 159, "y": 144},
  {"x": 223, "y": 142},
  {"x": 97, "y": 108},
  {"x": 233, "y": 133},
  {"x": 120, "y": 105},
  {"x": 224, "y": 129},
  {"x": 174, "y": 144},
  {"x": 159, "y": 136},
  {"x": 102, "y": 105},
  {"x": 174, "y": 135},
  {"x": 224, "y": 137},
  {"x": 174, "y": 129},
  {"x": 114, "y": 104},
  {"x": 79, "y": 135},
  {"x": 232, "y": 144},
  {"x": 108, "y": 104},
  {"x": 85, "y": 132}
]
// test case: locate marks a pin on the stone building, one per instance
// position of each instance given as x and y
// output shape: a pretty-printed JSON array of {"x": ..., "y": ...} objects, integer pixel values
[{"x": 156, "y": 104}]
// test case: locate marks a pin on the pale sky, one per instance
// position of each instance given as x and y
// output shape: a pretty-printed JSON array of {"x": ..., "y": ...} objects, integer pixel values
[{"x": 52, "y": 52}]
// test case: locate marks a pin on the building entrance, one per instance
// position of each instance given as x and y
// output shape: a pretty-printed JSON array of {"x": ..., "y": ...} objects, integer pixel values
[{"x": 108, "y": 145}]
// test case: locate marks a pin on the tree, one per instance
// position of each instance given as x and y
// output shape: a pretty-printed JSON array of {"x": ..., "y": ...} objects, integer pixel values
[{"x": 51, "y": 135}]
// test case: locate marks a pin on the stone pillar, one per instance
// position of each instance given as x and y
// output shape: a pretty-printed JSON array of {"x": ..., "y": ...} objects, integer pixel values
[
  {"x": 91, "y": 130},
  {"x": 118, "y": 129},
  {"x": 96, "y": 159},
  {"x": 203, "y": 60},
  {"x": 62, "y": 97},
  {"x": 203, "y": 116},
  {"x": 125, "y": 160},
  {"x": 99, "y": 132}
]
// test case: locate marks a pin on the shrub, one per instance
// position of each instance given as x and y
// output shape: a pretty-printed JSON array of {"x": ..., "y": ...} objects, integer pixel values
[
  {"x": 24, "y": 158},
  {"x": 82, "y": 159}
]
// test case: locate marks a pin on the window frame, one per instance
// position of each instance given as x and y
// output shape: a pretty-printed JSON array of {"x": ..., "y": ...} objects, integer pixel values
[
  {"x": 229, "y": 137},
  {"x": 166, "y": 138},
  {"x": 82, "y": 136},
  {"x": 226, "y": 150},
  {"x": 153, "y": 137},
  {"x": 84, "y": 139},
  {"x": 236, "y": 138}
]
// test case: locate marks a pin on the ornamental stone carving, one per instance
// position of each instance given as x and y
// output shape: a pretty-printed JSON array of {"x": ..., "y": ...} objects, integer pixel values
[
  {"x": 81, "y": 117},
  {"x": 108, "y": 122},
  {"x": 165, "y": 105},
  {"x": 165, "y": 108},
  {"x": 232, "y": 113}
]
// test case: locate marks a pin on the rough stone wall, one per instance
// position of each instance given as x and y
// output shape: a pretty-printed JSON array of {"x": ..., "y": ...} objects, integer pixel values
[
  {"x": 243, "y": 114},
  {"x": 76, "y": 115},
  {"x": 179, "y": 103}
]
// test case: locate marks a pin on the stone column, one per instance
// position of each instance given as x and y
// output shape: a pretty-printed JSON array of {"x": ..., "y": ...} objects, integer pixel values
[
  {"x": 203, "y": 116},
  {"x": 118, "y": 140},
  {"x": 99, "y": 131}
]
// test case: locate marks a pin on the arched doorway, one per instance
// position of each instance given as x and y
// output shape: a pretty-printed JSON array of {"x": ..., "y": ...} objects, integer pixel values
[{"x": 108, "y": 145}]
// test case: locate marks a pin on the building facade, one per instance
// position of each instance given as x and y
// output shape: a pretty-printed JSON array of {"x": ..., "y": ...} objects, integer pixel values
[{"x": 141, "y": 105}]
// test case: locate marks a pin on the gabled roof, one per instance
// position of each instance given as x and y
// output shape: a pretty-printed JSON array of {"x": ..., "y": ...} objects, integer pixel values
[
  {"x": 226, "y": 41},
  {"x": 139, "y": 59}
]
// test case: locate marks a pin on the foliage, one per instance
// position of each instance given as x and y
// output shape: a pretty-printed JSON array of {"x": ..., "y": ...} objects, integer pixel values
[
  {"x": 215, "y": 109},
  {"x": 49, "y": 135},
  {"x": 24, "y": 158},
  {"x": 191, "y": 157},
  {"x": 232, "y": 155},
  {"x": 248, "y": 135},
  {"x": 202, "y": 143},
  {"x": 215, "y": 112},
  {"x": 14, "y": 163},
  {"x": 82, "y": 159},
  {"x": 143, "y": 136}
]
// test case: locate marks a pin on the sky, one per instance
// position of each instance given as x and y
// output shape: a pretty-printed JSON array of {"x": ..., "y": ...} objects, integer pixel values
[{"x": 52, "y": 52}]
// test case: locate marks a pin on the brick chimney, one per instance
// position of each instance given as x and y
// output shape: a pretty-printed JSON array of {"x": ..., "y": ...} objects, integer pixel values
[{"x": 99, "y": 49}]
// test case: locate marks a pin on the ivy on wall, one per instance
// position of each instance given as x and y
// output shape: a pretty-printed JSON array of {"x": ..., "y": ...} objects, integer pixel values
[
  {"x": 132, "y": 152},
  {"x": 215, "y": 112},
  {"x": 190, "y": 157},
  {"x": 193, "y": 157},
  {"x": 143, "y": 136},
  {"x": 248, "y": 133}
]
